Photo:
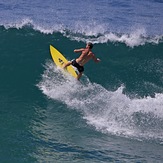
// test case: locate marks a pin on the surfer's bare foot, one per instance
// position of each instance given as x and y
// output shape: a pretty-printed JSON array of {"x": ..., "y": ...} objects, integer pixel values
[{"x": 64, "y": 65}]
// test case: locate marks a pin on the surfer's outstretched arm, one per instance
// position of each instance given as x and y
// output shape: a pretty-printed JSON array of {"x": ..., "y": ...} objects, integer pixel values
[
  {"x": 78, "y": 50},
  {"x": 95, "y": 59}
]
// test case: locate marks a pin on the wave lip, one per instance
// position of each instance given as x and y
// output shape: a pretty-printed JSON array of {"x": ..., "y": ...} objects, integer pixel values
[
  {"x": 98, "y": 34},
  {"x": 29, "y": 23}
]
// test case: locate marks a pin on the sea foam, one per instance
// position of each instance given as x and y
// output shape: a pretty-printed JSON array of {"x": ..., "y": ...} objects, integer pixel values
[
  {"x": 110, "y": 112},
  {"x": 95, "y": 33}
]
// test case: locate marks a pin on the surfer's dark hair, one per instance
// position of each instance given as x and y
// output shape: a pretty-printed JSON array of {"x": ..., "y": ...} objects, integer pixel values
[{"x": 90, "y": 45}]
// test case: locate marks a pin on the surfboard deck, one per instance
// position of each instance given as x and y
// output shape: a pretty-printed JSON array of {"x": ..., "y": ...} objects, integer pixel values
[{"x": 60, "y": 60}]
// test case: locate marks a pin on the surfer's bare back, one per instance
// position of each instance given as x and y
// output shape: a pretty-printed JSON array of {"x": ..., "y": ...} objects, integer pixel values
[{"x": 86, "y": 55}]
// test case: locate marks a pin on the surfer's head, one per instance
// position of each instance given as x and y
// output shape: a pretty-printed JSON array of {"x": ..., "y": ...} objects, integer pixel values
[{"x": 90, "y": 45}]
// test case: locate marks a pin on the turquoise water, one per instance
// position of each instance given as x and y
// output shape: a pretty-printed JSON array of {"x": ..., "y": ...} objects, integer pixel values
[{"x": 114, "y": 114}]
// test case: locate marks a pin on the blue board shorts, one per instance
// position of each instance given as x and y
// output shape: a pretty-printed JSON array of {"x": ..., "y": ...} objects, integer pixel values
[{"x": 75, "y": 64}]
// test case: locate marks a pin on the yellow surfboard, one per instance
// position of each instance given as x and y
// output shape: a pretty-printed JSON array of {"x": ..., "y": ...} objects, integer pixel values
[{"x": 59, "y": 60}]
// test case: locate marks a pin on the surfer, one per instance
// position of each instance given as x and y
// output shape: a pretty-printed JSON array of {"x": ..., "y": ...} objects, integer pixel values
[{"x": 86, "y": 55}]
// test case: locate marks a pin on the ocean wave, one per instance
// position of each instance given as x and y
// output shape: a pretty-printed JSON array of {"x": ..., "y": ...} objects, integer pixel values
[
  {"x": 29, "y": 23},
  {"x": 96, "y": 33},
  {"x": 110, "y": 112},
  {"x": 133, "y": 39}
]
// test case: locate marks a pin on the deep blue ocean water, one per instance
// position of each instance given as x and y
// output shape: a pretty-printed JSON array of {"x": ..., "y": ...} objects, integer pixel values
[{"x": 114, "y": 114}]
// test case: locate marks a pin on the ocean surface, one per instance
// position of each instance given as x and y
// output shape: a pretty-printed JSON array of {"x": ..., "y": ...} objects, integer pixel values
[{"x": 114, "y": 114}]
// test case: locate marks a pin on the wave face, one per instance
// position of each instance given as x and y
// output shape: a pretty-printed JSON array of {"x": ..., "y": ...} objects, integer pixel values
[
  {"x": 124, "y": 90},
  {"x": 117, "y": 103}
]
